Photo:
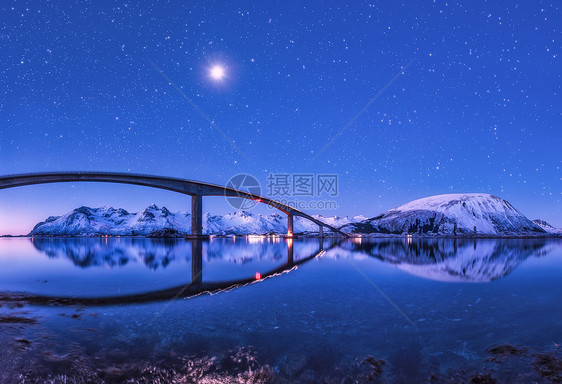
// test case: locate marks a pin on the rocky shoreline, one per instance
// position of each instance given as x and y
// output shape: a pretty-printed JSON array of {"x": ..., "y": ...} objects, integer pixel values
[{"x": 504, "y": 363}]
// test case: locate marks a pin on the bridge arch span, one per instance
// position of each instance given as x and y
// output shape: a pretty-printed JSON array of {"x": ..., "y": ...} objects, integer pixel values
[{"x": 195, "y": 189}]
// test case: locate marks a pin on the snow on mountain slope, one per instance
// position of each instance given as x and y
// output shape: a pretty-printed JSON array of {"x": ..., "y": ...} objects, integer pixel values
[
  {"x": 453, "y": 214},
  {"x": 547, "y": 227},
  {"x": 85, "y": 221}
]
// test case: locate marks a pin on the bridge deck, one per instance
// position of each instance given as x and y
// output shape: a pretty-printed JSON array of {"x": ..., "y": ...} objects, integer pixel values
[{"x": 195, "y": 189}]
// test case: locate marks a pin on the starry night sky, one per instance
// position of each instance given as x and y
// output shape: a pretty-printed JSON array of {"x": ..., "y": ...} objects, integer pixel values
[{"x": 478, "y": 109}]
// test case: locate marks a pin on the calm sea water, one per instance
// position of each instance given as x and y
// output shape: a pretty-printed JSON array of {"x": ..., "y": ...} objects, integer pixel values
[{"x": 282, "y": 311}]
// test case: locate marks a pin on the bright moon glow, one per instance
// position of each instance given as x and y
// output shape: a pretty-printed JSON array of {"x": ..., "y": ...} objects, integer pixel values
[{"x": 217, "y": 72}]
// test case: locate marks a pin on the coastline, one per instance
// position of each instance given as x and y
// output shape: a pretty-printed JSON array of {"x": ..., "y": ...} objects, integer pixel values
[{"x": 303, "y": 236}]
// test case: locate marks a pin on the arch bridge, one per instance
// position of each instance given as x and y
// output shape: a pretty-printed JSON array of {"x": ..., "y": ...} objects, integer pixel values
[{"x": 195, "y": 189}]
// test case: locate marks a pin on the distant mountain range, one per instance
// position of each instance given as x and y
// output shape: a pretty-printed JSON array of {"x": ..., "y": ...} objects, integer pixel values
[
  {"x": 160, "y": 222},
  {"x": 471, "y": 214}
]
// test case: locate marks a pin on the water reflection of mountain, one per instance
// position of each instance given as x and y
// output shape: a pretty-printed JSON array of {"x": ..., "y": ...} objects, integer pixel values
[
  {"x": 101, "y": 252},
  {"x": 154, "y": 253},
  {"x": 437, "y": 259},
  {"x": 453, "y": 259}
]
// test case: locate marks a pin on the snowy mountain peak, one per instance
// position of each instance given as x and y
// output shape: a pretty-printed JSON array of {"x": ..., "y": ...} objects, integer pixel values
[
  {"x": 449, "y": 200},
  {"x": 241, "y": 213},
  {"x": 452, "y": 214}
]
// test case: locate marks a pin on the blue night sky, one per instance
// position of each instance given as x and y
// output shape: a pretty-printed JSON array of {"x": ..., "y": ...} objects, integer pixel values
[{"x": 478, "y": 109}]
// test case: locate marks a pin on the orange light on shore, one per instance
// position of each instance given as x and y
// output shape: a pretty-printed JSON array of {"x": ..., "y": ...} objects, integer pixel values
[{"x": 258, "y": 276}]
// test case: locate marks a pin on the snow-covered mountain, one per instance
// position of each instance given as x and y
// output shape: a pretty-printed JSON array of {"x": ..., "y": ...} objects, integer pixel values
[
  {"x": 85, "y": 221},
  {"x": 547, "y": 227},
  {"x": 454, "y": 214}
]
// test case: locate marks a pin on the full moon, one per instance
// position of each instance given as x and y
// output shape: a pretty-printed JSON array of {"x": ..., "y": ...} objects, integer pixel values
[{"x": 217, "y": 72}]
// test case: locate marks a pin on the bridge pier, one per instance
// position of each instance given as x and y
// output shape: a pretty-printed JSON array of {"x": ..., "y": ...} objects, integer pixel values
[
  {"x": 320, "y": 231},
  {"x": 289, "y": 224},
  {"x": 196, "y": 262},
  {"x": 196, "y": 215}
]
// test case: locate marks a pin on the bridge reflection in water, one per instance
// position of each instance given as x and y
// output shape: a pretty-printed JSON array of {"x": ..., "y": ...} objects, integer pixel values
[
  {"x": 86, "y": 253},
  {"x": 197, "y": 285},
  {"x": 113, "y": 271}
]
